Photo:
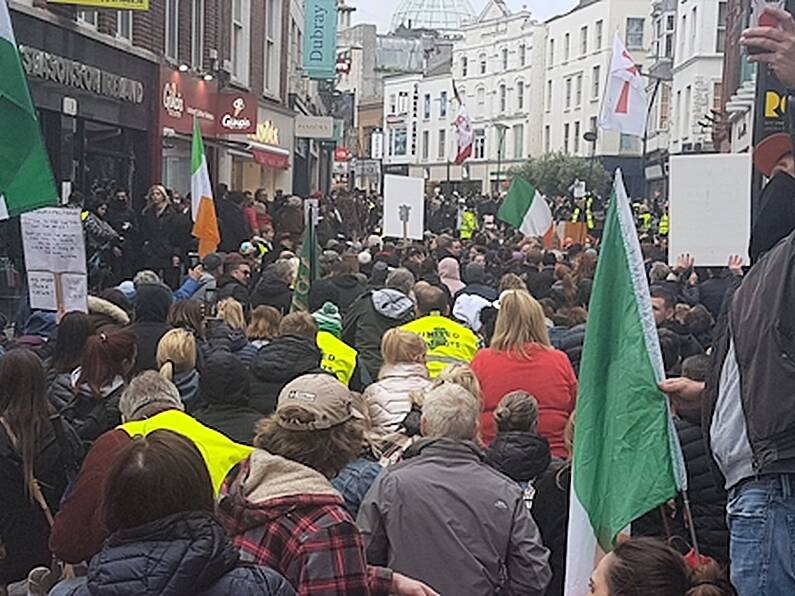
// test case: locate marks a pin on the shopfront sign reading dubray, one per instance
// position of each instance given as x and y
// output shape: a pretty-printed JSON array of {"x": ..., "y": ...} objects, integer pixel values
[
  {"x": 184, "y": 97},
  {"x": 71, "y": 73},
  {"x": 320, "y": 39}
]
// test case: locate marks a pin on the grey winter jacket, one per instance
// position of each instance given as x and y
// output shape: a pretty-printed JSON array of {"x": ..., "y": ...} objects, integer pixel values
[{"x": 446, "y": 518}]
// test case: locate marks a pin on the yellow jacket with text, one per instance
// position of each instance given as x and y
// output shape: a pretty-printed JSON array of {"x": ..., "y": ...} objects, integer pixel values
[
  {"x": 448, "y": 342},
  {"x": 338, "y": 357}
]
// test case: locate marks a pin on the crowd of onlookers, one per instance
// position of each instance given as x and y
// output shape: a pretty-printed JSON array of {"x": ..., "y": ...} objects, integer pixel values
[{"x": 410, "y": 433}]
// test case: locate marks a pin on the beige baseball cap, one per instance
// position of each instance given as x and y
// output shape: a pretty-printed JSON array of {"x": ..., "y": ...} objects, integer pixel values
[{"x": 322, "y": 399}]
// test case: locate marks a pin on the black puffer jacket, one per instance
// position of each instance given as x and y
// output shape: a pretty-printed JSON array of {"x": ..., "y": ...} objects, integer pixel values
[
  {"x": 186, "y": 553},
  {"x": 272, "y": 291},
  {"x": 224, "y": 388},
  {"x": 222, "y": 336},
  {"x": 229, "y": 287},
  {"x": 92, "y": 417},
  {"x": 276, "y": 364},
  {"x": 571, "y": 342},
  {"x": 525, "y": 458},
  {"x": 707, "y": 499},
  {"x": 343, "y": 290},
  {"x": 151, "y": 311}
]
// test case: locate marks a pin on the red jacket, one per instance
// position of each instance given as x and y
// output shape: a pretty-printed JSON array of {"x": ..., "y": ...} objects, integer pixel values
[{"x": 547, "y": 375}]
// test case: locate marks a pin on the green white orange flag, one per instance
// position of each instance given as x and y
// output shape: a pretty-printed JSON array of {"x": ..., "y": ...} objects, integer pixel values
[
  {"x": 526, "y": 209},
  {"x": 26, "y": 180},
  {"x": 205, "y": 223},
  {"x": 627, "y": 459}
]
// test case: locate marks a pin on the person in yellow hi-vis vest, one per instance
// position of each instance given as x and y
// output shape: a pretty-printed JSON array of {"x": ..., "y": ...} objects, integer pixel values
[
  {"x": 448, "y": 342},
  {"x": 150, "y": 403},
  {"x": 338, "y": 357},
  {"x": 665, "y": 225}
]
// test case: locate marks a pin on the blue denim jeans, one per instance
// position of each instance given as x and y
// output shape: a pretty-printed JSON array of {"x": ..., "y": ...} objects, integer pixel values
[{"x": 761, "y": 520}]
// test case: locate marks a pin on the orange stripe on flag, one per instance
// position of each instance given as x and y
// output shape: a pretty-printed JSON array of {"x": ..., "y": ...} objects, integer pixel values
[{"x": 206, "y": 227}]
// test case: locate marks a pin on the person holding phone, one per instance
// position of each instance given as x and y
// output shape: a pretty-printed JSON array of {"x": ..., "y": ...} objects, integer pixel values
[{"x": 773, "y": 45}]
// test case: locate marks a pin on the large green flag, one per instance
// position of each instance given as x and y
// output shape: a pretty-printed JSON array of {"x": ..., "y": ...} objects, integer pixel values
[
  {"x": 526, "y": 209},
  {"x": 307, "y": 270},
  {"x": 627, "y": 459},
  {"x": 26, "y": 180}
]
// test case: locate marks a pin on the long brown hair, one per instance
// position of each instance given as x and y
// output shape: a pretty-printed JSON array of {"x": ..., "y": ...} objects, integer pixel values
[
  {"x": 106, "y": 356},
  {"x": 187, "y": 314},
  {"x": 24, "y": 409}
]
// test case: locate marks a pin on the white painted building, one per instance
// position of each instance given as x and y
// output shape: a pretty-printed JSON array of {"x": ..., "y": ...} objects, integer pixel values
[
  {"x": 697, "y": 72},
  {"x": 498, "y": 71},
  {"x": 577, "y": 55}
]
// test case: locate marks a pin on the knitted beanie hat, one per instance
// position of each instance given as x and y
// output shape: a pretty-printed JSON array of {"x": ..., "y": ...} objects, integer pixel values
[{"x": 328, "y": 318}]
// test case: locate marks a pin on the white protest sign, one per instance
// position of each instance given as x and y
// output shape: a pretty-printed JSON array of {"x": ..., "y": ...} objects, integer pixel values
[
  {"x": 710, "y": 207},
  {"x": 404, "y": 207},
  {"x": 53, "y": 241},
  {"x": 55, "y": 259}
]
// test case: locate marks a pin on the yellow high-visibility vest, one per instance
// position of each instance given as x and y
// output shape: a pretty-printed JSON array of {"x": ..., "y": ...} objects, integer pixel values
[
  {"x": 469, "y": 225},
  {"x": 338, "y": 357},
  {"x": 219, "y": 452},
  {"x": 665, "y": 225},
  {"x": 645, "y": 222},
  {"x": 448, "y": 342}
]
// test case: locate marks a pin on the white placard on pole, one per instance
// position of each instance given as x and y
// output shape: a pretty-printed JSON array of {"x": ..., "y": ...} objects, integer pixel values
[
  {"x": 404, "y": 207},
  {"x": 710, "y": 207}
]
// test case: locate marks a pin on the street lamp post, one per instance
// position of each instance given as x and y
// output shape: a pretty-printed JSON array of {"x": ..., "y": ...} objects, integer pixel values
[{"x": 501, "y": 128}]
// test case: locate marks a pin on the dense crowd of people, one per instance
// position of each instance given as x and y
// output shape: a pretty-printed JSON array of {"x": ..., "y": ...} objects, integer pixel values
[{"x": 410, "y": 434}]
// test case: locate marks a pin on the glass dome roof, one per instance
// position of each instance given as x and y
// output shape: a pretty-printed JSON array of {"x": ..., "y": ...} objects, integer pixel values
[{"x": 442, "y": 15}]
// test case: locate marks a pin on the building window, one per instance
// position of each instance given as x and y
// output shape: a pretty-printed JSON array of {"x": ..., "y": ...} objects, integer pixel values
[
  {"x": 522, "y": 55},
  {"x": 483, "y": 64},
  {"x": 577, "y": 138},
  {"x": 566, "y": 47},
  {"x": 669, "y": 45},
  {"x": 717, "y": 96},
  {"x": 693, "y": 29},
  {"x": 634, "y": 34},
  {"x": 567, "y": 83},
  {"x": 566, "y": 129},
  {"x": 547, "y": 139},
  {"x": 682, "y": 30},
  {"x": 426, "y": 106},
  {"x": 596, "y": 81},
  {"x": 87, "y": 18},
  {"x": 172, "y": 29},
  {"x": 505, "y": 59},
  {"x": 197, "y": 34},
  {"x": 518, "y": 141},
  {"x": 520, "y": 95},
  {"x": 578, "y": 91},
  {"x": 426, "y": 144},
  {"x": 273, "y": 44},
  {"x": 665, "y": 106},
  {"x": 503, "y": 98},
  {"x": 392, "y": 103},
  {"x": 549, "y": 95},
  {"x": 464, "y": 66},
  {"x": 551, "y": 52},
  {"x": 241, "y": 22},
  {"x": 481, "y": 100},
  {"x": 678, "y": 109},
  {"x": 686, "y": 113},
  {"x": 592, "y": 124},
  {"x": 403, "y": 102},
  {"x": 479, "y": 147},
  {"x": 124, "y": 25},
  {"x": 628, "y": 143},
  {"x": 583, "y": 40},
  {"x": 598, "y": 34},
  {"x": 400, "y": 140},
  {"x": 720, "y": 40},
  {"x": 442, "y": 154},
  {"x": 443, "y": 104}
]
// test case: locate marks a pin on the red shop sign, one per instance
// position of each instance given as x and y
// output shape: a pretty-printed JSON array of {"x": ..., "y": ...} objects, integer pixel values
[
  {"x": 183, "y": 97},
  {"x": 342, "y": 154},
  {"x": 271, "y": 160}
]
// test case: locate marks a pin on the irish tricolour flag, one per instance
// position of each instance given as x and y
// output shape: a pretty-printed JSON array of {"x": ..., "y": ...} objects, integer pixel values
[
  {"x": 627, "y": 459},
  {"x": 205, "y": 224},
  {"x": 526, "y": 209},
  {"x": 26, "y": 181}
]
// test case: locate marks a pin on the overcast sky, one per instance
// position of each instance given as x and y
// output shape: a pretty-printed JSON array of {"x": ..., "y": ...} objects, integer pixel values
[{"x": 380, "y": 11}]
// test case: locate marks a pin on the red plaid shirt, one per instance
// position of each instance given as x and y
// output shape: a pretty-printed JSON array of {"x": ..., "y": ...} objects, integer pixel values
[{"x": 309, "y": 538}]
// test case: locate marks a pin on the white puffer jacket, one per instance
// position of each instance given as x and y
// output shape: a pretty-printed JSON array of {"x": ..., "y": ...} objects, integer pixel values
[{"x": 388, "y": 400}]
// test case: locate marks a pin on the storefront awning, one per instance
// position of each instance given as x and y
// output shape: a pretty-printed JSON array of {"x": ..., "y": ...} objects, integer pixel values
[{"x": 271, "y": 158}]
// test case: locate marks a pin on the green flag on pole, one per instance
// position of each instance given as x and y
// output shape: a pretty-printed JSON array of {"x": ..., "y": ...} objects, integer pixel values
[
  {"x": 307, "y": 270},
  {"x": 26, "y": 180},
  {"x": 627, "y": 458}
]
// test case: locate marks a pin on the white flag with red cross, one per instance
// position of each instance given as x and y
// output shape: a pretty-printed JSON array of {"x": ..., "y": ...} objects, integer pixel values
[{"x": 625, "y": 105}]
